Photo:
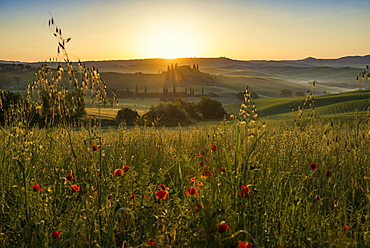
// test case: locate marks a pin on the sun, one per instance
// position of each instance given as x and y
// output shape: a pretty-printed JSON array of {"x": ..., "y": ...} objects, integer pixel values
[{"x": 170, "y": 42}]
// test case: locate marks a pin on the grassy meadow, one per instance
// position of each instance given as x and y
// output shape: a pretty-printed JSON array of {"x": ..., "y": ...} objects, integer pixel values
[{"x": 220, "y": 185}]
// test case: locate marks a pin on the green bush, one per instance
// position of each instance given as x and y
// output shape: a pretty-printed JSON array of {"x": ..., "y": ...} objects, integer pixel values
[{"x": 129, "y": 116}]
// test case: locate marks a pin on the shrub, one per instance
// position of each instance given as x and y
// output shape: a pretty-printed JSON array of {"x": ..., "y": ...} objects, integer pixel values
[
  {"x": 210, "y": 108},
  {"x": 129, "y": 116}
]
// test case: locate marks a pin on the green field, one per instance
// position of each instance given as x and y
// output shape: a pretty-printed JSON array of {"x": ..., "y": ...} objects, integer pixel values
[{"x": 274, "y": 186}]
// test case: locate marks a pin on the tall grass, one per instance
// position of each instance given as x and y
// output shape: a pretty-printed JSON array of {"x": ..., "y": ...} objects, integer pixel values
[{"x": 290, "y": 204}]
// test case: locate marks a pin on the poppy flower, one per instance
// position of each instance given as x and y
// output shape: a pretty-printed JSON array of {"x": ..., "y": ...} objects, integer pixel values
[
  {"x": 244, "y": 245},
  {"x": 313, "y": 166},
  {"x": 119, "y": 172},
  {"x": 75, "y": 188},
  {"x": 69, "y": 177},
  {"x": 151, "y": 242},
  {"x": 345, "y": 228},
  {"x": 36, "y": 187},
  {"x": 222, "y": 227},
  {"x": 109, "y": 197},
  {"x": 163, "y": 187},
  {"x": 200, "y": 185},
  {"x": 318, "y": 197},
  {"x": 207, "y": 171},
  {"x": 201, "y": 163},
  {"x": 244, "y": 192},
  {"x": 133, "y": 196},
  {"x": 192, "y": 179},
  {"x": 328, "y": 173},
  {"x": 213, "y": 147},
  {"x": 199, "y": 207},
  {"x": 55, "y": 234},
  {"x": 201, "y": 154},
  {"x": 100, "y": 175},
  {"x": 126, "y": 168},
  {"x": 95, "y": 147},
  {"x": 223, "y": 169},
  {"x": 366, "y": 177},
  {"x": 161, "y": 194},
  {"x": 191, "y": 191}
]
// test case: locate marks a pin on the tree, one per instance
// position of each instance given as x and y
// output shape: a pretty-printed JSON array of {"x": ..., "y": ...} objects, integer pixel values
[
  {"x": 286, "y": 93},
  {"x": 127, "y": 115},
  {"x": 254, "y": 95},
  {"x": 210, "y": 108}
]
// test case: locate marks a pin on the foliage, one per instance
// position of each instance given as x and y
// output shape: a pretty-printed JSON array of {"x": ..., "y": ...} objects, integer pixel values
[
  {"x": 128, "y": 115},
  {"x": 211, "y": 186},
  {"x": 210, "y": 108},
  {"x": 286, "y": 93}
]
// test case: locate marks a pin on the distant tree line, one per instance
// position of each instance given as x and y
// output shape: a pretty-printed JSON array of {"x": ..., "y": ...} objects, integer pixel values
[{"x": 175, "y": 112}]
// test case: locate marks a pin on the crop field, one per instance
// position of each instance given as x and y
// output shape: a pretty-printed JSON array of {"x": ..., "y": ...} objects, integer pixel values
[{"x": 215, "y": 185}]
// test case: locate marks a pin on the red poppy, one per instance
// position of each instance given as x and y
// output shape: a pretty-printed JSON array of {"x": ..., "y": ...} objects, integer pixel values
[
  {"x": 151, "y": 242},
  {"x": 191, "y": 191},
  {"x": 207, "y": 171},
  {"x": 244, "y": 245},
  {"x": 201, "y": 163},
  {"x": 313, "y": 166},
  {"x": 223, "y": 169},
  {"x": 126, "y": 168},
  {"x": 199, "y": 207},
  {"x": 119, "y": 172},
  {"x": 75, "y": 188},
  {"x": 213, "y": 147},
  {"x": 69, "y": 177},
  {"x": 109, "y": 197},
  {"x": 318, "y": 197},
  {"x": 222, "y": 227},
  {"x": 55, "y": 234},
  {"x": 200, "y": 185},
  {"x": 192, "y": 179},
  {"x": 244, "y": 192},
  {"x": 145, "y": 196},
  {"x": 36, "y": 187},
  {"x": 100, "y": 175},
  {"x": 161, "y": 194},
  {"x": 366, "y": 177},
  {"x": 345, "y": 228},
  {"x": 95, "y": 147},
  {"x": 328, "y": 173},
  {"x": 201, "y": 154},
  {"x": 133, "y": 196}
]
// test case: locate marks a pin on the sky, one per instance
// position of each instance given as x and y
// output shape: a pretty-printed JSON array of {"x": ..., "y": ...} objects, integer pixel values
[{"x": 139, "y": 29}]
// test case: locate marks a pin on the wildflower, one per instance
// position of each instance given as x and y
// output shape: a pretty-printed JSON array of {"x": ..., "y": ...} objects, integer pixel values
[
  {"x": 126, "y": 168},
  {"x": 191, "y": 191},
  {"x": 329, "y": 173},
  {"x": 223, "y": 169},
  {"x": 207, "y": 171},
  {"x": 313, "y": 166},
  {"x": 213, "y": 147},
  {"x": 75, "y": 188},
  {"x": 200, "y": 185},
  {"x": 95, "y": 147},
  {"x": 69, "y": 177},
  {"x": 192, "y": 179},
  {"x": 119, "y": 172},
  {"x": 36, "y": 187},
  {"x": 244, "y": 245},
  {"x": 201, "y": 154},
  {"x": 100, "y": 175},
  {"x": 55, "y": 234},
  {"x": 109, "y": 197},
  {"x": 163, "y": 187},
  {"x": 201, "y": 163},
  {"x": 318, "y": 197},
  {"x": 366, "y": 177},
  {"x": 222, "y": 227},
  {"x": 133, "y": 196},
  {"x": 161, "y": 194},
  {"x": 145, "y": 196},
  {"x": 244, "y": 192},
  {"x": 345, "y": 228},
  {"x": 199, "y": 207},
  {"x": 151, "y": 242}
]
